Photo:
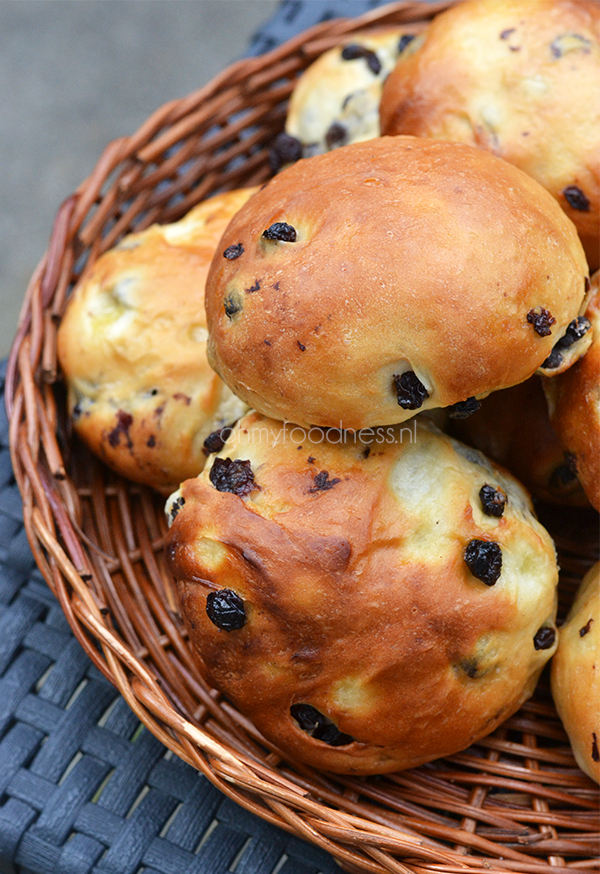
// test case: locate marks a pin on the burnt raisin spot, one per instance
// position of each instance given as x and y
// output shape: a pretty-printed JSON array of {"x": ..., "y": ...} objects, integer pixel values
[
  {"x": 124, "y": 422},
  {"x": 337, "y": 135},
  {"x": 469, "y": 667},
  {"x": 280, "y": 231},
  {"x": 311, "y": 459},
  {"x": 354, "y": 51},
  {"x": 576, "y": 198},
  {"x": 253, "y": 288},
  {"x": 404, "y": 41},
  {"x": 484, "y": 560},
  {"x": 565, "y": 473},
  {"x": 301, "y": 346},
  {"x": 410, "y": 391},
  {"x": 541, "y": 319},
  {"x": 463, "y": 409},
  {"x": 493, "y": 500},
  {"x": 233, "y": 252},
  {"x": 577, "y": 329},
  {"x": 216, "y": 440},
  {"x": 314, "y": 723},
  {"x": 586, "y": 628},
  {"x": 232, "y": 304},
  {"x": 544, "y": 638},
  {"x": 226, "y": 610},
  {"x": 322, "y": 483},
  {"x": 554, "y": 360},
  {"x": 236, "y": 477},
  {"x": 151, "y": 441},
  {"x": 176, "y": 507},
  {"x": 367, "y": 452},
  {"x": 286, "y": 149},
  {"x": 595, "y": 753}
]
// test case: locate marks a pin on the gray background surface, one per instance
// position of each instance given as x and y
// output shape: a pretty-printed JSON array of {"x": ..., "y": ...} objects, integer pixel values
[{"x": 76, "y": 74}]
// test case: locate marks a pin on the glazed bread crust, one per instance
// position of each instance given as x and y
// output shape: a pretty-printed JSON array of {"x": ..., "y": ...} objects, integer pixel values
[
  {"x": 513, "y": 429},
  {"x": 132, "y": 347},
  {"x": 520, "y": 78},
  {"x": 408, "y": 255},
  {"x": 575, "y": 675},
  {"x": 336, "y": 100},
  {"x": 574, "y": 404},
  {"x": 349, "y": 560}
]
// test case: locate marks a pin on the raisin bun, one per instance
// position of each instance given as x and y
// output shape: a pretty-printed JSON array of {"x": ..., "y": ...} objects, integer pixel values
[
  {"x": 575, "y": 675},
  {"x": 390, "y": 276},
  {"x": 520, "y": 78},
  {"x": 336, "y": 100},
  {"x": 513, "y": 428},
  {"x": 132, "y": 347},
  {"x": 574, "y": 404},
  {"x": 370, "y": 601}
]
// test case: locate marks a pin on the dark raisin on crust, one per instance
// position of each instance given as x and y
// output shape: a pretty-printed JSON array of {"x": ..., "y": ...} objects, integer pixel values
[
  {"x": 354, "y": 51},
  {"x": 569, "y": 42},
  {"x": 595, "y": 753},
  {"x": 544, "y": 637},
  {"x": 151, "y": 441},
  {"x": 252, "y": 288},
  {"x": 463, "y": 409},
  {"x": 554, "y": 360},
  {"x": 233, "y": 476},
  {"x": 405, "y": 40},
  {"x": 484, "y": 560},
  {"x": 233, "y": 252},
  {"x": 215, "y": 441},
  {"x": 493, "y": 500},
  {"x": 232, "y": 304},
  {"x": 301, "y": 346},
  {"x": 76, "y": 411},
  {"x": 410, "y": 391},
  {"x": 322, "y": 483},
  {"x": 176, "y": 507},
  {"x": 565, "y": 473},
  {"x": 124, "y": 422},
  {"x": 314, "y": 723},
  {"x": 577, "y": 329},
  {"x": 583, "y": 631},
  {"x": 280, "y": 231},
  {"x": 576, "y": 198},
  {"x": 337, "y": 135},
  {"x": 286, "y": 149},
  {"x": 226, "y": 610},
  {"x": 541, "y": 319},
  {"x": 469, "y": 667}
]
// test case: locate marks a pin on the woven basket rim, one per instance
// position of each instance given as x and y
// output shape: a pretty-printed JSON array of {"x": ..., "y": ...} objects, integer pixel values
[{"x": 79, "y": 570}]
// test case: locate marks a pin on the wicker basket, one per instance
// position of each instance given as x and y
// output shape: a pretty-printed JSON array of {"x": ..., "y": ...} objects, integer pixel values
[{"x": 513, "y": 802}]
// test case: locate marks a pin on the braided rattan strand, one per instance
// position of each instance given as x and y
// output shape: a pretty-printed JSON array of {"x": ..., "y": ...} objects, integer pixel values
[{"x": 515, "y": 802}]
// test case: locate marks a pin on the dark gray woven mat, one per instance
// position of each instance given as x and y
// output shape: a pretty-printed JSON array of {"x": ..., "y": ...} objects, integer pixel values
[{"x": 84, "y": 787}]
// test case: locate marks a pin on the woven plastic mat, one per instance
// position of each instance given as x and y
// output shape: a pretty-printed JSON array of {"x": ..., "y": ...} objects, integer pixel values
[{"x": 84, "y": 786}]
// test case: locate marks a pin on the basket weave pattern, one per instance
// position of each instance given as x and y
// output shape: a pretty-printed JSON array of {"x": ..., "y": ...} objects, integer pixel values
[{"x": 513, "y": 802}]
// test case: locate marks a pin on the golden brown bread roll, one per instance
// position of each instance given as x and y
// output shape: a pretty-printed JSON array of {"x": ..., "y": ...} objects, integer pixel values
[
  {"x": 513, "y": 428},
  {"x": 387, "y": 277},
  {"x": 574, "y": 405},
  {"x": 132, "y": 347},
  {"x": 520, "y": 78},
  {"x": 575, "y": 675},
  {"x": 370, "y": 601},
  {"x": 336, "y": 100}
]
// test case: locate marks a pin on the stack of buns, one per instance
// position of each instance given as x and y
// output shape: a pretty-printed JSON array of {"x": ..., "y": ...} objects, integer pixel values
[{"x": 370, "y": 591}]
